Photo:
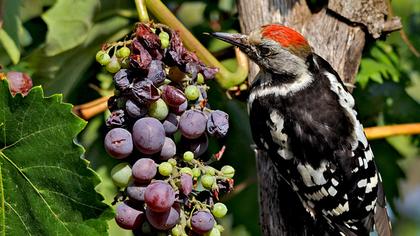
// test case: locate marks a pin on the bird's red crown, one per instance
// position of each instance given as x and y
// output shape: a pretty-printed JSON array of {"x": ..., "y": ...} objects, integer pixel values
[{"x": 285, "y": 36}]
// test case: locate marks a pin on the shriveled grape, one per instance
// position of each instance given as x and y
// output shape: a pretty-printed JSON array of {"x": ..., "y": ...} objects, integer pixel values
[{"x": 218, "y": 123}]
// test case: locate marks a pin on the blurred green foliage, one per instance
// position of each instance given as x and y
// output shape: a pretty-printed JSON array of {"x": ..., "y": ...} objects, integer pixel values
[{"x": 55, "y": 41}]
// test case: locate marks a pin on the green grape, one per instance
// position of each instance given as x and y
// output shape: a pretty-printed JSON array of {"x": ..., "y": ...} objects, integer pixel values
[
  {"x": 123, "y": 52},
  {"x": 113, "y": 66},
  {"x": 210, "y": 170},
  {"x": 121, "y": 174},
  {"x": 196, "y": 172},
  {"x": 192, "y": 92},
  {"x": 158, "y": 109},
  {"x": 207, "y": 181},
  {"x": 228, "y": 171},
  {"x": 219, "y": 210},
  {"x": 186, "y": 170},
  {"x": 164, "y": 39},
  {"x": 188, "y": 156},
  {"x": 176, "y": 231},
  {"x": 103, "y": 58},
  {"x": 200, "y": 78},
  {"x": 213, "y": 232},
  {"x": 165, "y": 168},
  {"x": 125, "y": 63},
  {"x": 172, "y": 161}
]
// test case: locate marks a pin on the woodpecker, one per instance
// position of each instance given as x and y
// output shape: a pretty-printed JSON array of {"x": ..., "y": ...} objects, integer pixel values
[{"x": 303, "y": 116}]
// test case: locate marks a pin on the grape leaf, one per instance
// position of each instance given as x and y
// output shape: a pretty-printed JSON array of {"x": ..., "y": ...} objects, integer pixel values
[
  {"x": 66, "y": 31},
  {"x": 46, "y": 187}
]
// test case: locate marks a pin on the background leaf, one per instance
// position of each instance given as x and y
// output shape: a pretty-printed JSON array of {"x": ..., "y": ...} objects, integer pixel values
[
  {"x": 66, "y": 31},
  {"x": 46, "y": 187}
]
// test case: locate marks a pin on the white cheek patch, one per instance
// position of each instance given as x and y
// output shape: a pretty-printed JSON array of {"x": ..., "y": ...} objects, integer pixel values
[{"x": 280, "y": 90}]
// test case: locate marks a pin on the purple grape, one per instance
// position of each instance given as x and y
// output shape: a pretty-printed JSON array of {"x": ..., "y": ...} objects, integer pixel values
[
  {"x": 180, "y": 109},
  {"x": 19, "y": 82},
  {"x": 136, "y": 192},
  {"x": 163, "y": 220},
  {"x": 159, "y": 196},
  {"x": 144, "y": 170},
  {"x": 134, "y": 110},
  {"x": 145, "y": 92},
  {"x": 168, "y": 149},
  {"x": 156, "y": 73},
  {"x": 127, "y": 217},
  {"x": 118, "y": 143},
  {"x": 192, "y": 124},
  {"x": 186, "y": 184},
  {"x": 170, "y": 124},
  {"x": 202, "y": 222},
  {"x": 173, "y": 96},
  {"x": 198, "y": 146},
  {"x": 121, "y": 79},
  {"x": 148, "y": 135},
  {"x": 218, "y": 123},
  {"x": 116, "y": 119}
]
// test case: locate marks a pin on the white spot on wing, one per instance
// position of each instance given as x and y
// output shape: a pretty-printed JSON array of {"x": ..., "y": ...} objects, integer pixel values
[
  {"x": 371, "y": 206},
  {"x": 311, "y": 176},
  {"x": 362, "y": 183},
  {"x": 332, "y": 191},
  {"x": 372, "y": 183},
  {"x": 334, "y": 181}
]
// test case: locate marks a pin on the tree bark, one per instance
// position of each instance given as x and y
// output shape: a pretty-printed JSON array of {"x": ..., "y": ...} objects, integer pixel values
[{"x": 337, "y": 32}]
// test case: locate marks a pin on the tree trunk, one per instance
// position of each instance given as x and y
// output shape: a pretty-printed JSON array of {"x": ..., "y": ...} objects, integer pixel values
[{"x": 337, "y": 31}]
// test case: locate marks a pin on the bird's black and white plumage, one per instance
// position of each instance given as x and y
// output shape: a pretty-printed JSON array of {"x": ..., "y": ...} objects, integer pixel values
[{"x": 303, "y": 116}]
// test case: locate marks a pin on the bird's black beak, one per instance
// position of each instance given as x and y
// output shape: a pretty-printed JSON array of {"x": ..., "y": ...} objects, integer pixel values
[{"x": 239, "y": 40}]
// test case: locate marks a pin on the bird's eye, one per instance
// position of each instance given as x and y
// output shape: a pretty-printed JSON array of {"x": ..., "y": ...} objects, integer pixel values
[{"x": 265, "y": 51}]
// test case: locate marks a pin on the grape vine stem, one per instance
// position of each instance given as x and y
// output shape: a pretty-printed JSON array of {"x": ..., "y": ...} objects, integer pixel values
[
  {"x": 89, "y": 110},
  {"x": 142, "y": 11},
  {"x": 224, "y": 77}
]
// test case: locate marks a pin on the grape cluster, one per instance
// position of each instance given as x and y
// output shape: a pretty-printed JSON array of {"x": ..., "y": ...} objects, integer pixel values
[{"x": 160, "y": 125}]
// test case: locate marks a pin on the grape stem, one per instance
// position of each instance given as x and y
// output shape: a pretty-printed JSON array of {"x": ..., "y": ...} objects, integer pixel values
[
  {"x": 142, "y": 11},
  {"x": 224, "y": 77},
  {"x": 88, "y": 110}
]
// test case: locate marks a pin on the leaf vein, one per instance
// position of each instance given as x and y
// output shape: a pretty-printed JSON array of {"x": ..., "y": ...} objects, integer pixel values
[{"x": 36, "y": 190}]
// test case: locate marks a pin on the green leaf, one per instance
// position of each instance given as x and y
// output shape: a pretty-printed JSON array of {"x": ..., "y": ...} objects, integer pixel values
[
  {"x": 62, "y": 73},
  {"x": 10, "y": 46},
  {"x": 46, "y": 187},
  {"x": 66, "y": 31},
  {"x": 380, "y": 63}
]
